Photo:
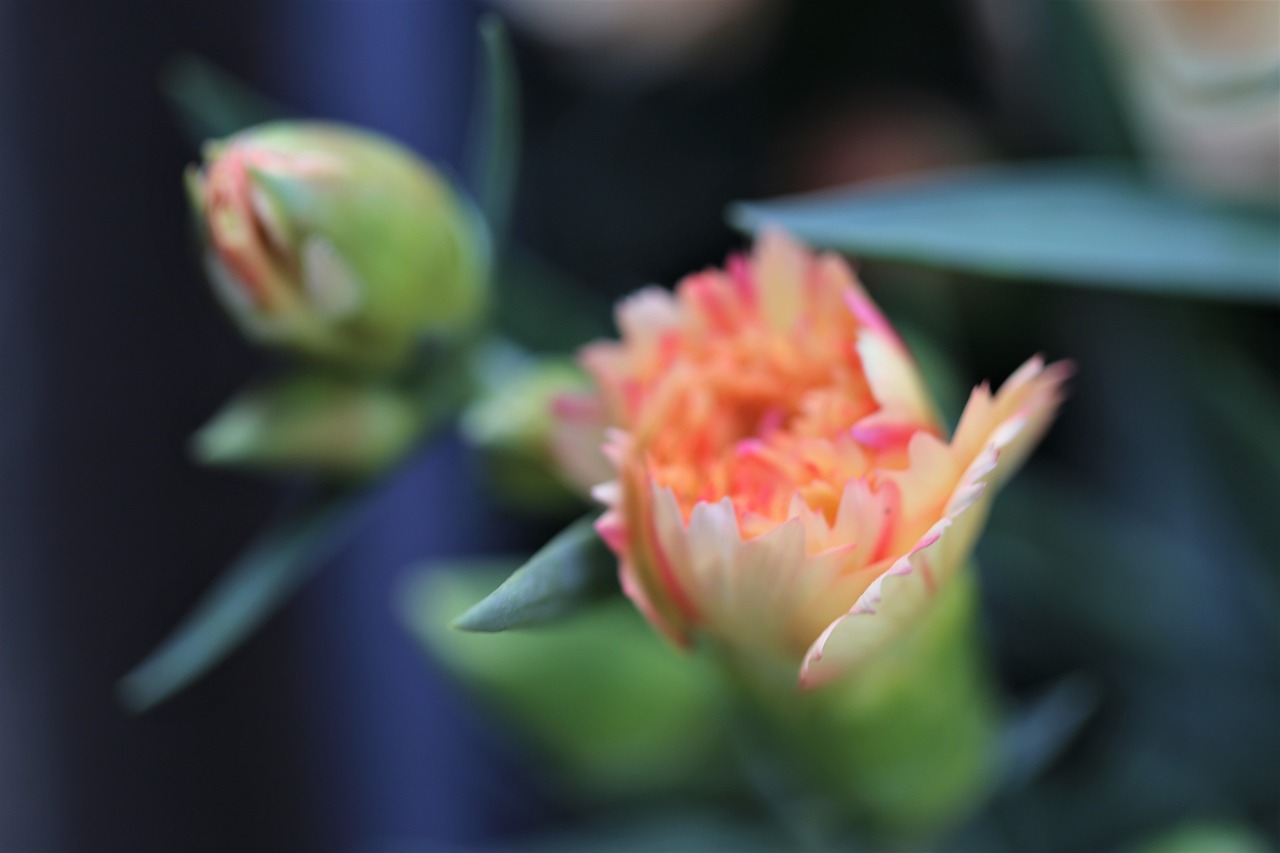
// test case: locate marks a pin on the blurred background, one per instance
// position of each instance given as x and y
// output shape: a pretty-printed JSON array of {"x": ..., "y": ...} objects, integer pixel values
[{"x": 1136, "y": 557}]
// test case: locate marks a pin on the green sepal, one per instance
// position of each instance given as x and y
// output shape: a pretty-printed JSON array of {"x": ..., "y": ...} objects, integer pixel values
[
  {"x": 573, "y": 570},
  {"x": 509, "y": 421},
  {"x": 901, "y": 749},
  {"x": 336, "y": 426}
]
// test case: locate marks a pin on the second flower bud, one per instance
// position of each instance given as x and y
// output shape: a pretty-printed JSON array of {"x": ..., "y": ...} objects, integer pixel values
[{"x": 337, "y": 244}]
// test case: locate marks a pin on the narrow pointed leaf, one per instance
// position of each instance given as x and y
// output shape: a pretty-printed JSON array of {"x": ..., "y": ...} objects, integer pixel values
[
  {"x": 1081, "y": 224},
  {"x": 248, "y": 593},
  {"x": 1040, "y": 733},
  {"x": 1238, "y": 394},
  {"x": 609, "y": 711},
  {"x": 573, "y": 569},
  {"x": 210, "y": 103},
  {"x": 495, "y": 131}
]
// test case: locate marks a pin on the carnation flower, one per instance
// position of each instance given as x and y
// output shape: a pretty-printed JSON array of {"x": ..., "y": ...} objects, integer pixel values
[{"x": 781, "y": 481}]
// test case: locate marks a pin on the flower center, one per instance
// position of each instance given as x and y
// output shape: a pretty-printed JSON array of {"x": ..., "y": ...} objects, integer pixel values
[{"x": 754, "y": 414}]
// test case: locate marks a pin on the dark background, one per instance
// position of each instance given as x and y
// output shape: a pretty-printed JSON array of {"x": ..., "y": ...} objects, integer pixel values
[{"x": 329, "y": 731}]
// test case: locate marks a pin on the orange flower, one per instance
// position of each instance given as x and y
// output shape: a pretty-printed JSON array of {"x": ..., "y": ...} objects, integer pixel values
[{"x": 781, "y": 480}]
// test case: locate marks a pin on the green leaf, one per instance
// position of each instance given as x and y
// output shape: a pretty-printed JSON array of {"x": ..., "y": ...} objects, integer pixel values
[
  {"x": 1040, "y": 732},
  {"x": 546, "y": 310},
  {"x": 247, "y": 593},
  {"x": 573, "y": 569},
  {"x": 262, "y": 578},
  {"x": 612, "y": 709},
  {"x": 210, "y": 103},
  {"x": 1071, "y": 223},
  {"x": 495, "y": 134},
  {"x": 1240, "y": 396},
  {"x": 1204, "y": 835}
]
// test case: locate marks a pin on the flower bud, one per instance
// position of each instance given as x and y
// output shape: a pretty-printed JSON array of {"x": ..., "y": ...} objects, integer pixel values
[
  {"x": 780, "y": 488},
  {"x": 780, "y": 480},
  {"x": 336, "y": 243},
  {"x": 511, "y": 422},
  {"x": 332, "y": 425}
]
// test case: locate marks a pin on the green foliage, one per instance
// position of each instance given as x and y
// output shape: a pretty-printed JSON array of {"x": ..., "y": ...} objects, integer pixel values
[
  {"x": 544, "y": 310},
  {"x": 616, "y": 712},
  {"x": 1082, "y": 224},
  {"x": 572, "y": 570},
  {"x": 307, "y": 419},
  {"x": 1217, "y": 837},
  {"x": 495, "y": 142},
  {"x": 510, "y": 423},
  {"x": 1183, "y": 648},
  {"x": 249, "y": 591},
  {"x": 209, "y": 102},
  {"x": 331, "y": 425},
  {"x": 1039, "y": 733},
  {"x": 327, "y": 422}
]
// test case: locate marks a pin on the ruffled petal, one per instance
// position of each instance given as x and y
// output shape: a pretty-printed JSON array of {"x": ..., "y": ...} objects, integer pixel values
[
  {"x": 645, "y": 315},
  {"x": 855, "y": 637},
  {"x": 925, "y": 484},
  {"x": 766, "y": 594},
  {"x": 780, "y": 264},
  {"x": 890, "y": 370},
  {"x": 893, "y": 601},
  {"x": 1032, "y": 394},
  {"x": 1014, "y": 419},
  {"x": 895, "y": 381},
  {"x": 858, "y": 524},
  {"x": 649, "y": 574},
  {"x": 577, "y": 439}
]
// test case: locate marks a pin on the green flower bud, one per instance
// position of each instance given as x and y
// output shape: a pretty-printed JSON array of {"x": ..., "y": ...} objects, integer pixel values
[
  {"x": 510, "y": 421},
  {"x": 336, "y": 243},
  {"x": 331, "y": 425}
]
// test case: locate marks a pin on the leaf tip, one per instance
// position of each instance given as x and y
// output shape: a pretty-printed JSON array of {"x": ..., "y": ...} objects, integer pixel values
[
  {"x": 742, "y": 216},
  {"x": 135, "y": 695},
  {"x": 479, "y": 619}
]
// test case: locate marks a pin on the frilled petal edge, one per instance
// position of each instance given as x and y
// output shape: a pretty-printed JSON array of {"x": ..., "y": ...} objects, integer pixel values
[{"x": 1002, "y": 431}]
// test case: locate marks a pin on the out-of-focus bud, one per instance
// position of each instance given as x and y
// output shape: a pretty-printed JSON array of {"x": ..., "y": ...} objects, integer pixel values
[
  {"x": 332, "y": 425},
  {"x": 632, "y": 39},
  {"x": 901, "y": 134},
  {"x": 1200, "y": 76},
  {"x": 336, "y": 243},
  {"x": 511, "y": 422}
]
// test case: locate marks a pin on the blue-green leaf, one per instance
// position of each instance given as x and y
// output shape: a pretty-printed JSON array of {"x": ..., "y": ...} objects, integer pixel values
[
  {"x": 612, "y": 710},
  {"x": 1038, "y": 734},
  {"x": 495, "y": 132},
  {"x": 245, "y": 596},
  {"x": 210, "y": 103},
  {"x": 573, "y": 569},
  {"x": 1073, "y": 223}
]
